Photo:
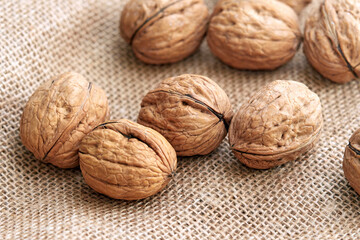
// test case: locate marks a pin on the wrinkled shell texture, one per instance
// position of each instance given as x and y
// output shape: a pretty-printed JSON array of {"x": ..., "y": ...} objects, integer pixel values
[
  {"x": 297, "y": 5},
  {"x": 125, "y": 160},
  {"x": 164, "y": 31},
  {"x": 253, "y": 35},
  {"x": 351, "y": 163},
  {"x": 58, "y": 115},
  {"x": 191, "y": 111},
  {"x": 279, "y": 123},
  {"x": 332, "y": 40}
]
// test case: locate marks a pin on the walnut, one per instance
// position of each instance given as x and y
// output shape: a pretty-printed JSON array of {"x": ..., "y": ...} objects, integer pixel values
[
  {"x": 332, "y": 39},
  {"x": 125, "y": 160},
  {"x": 297, "y": 5},
  {"x": 278, "y": 124},
  {"x": 247, "y": 34},
  {"x": 191, "y": 111},
  {"x": 351, "y": 163},
  {"x": 58, "y": 115},
  {"x": 164, "y": 31}
]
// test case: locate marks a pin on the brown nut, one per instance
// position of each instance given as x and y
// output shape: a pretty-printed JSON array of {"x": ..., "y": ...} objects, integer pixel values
[
  {"x": 297, "y": 5},
  {"x": 192, "y": 112},
  {"x": 247, "y": 34},
  {"x": 164, "y": 31},
  {"x": 278, "y": 124},
  {"x": 58, "y": 115},
  {"x": 332, "y": 39},
  {"x": 125, "y": 160},
  {"x": 351, "y": 163}
]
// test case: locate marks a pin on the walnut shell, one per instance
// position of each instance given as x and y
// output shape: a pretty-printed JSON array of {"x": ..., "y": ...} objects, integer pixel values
[
  {"x": 351, "y": 163},
  {"x": 297, "y": 5},
  {"x": 164, "y": 31},
  {"x": 192, "y": 112},
  {"x": 332, "y": 39},
  {"x": 278, "y": 124},
  {"x": 247, "y": 34},
  {"x": 125, "y": 160},
  {"x": 58, "y": 115}
]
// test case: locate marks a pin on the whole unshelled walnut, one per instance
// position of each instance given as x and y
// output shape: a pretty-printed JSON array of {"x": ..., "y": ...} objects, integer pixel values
[
  {"x": 351, "y": 163},
  {"x": 278, "y": 124},
  {"x": 164, "y": 31},
  {"x": 256, "y": 35},
  {"x": 58, "y": 115},
  {"x": 332, "y": 39},
  {"x": 191, "y": 111},
  {"x": 125, "y": 160},
  {"x": 297, "y": 5}
]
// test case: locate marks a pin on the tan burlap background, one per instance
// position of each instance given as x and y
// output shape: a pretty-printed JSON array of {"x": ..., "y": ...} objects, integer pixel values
[{"x": 210, "y": 197}]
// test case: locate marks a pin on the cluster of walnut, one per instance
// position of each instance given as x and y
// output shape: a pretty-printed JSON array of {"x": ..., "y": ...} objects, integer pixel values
[
  {"x": 279, "y": 123},
  {"x": 246, "y": 34},
  {"x": 66, "y": 119},
  {"x": 66, "y": 122}
]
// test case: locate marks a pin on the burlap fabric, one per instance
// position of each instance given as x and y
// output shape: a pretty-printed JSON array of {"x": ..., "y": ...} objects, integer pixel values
[{"x": 210, "y": 197}]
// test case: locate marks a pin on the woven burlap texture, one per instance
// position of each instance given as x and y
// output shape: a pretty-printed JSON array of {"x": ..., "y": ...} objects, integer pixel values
[{"x": 210, "y": 197}]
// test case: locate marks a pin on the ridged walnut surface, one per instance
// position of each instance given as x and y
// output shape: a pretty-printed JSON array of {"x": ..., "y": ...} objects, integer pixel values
[
  {"x": 164, "y": 31},
  {"x": 249, "y": 34},
  {"x": 332, "y": 40},
  {"x": 279, "y": 123},
  {"x": 58, "y": 115},
  {"x": 191, "y": 111},
  {"x": 297, "y": 5},
  {"x": 351, "y": 163},
  {"x": 125, "y": 160}
]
